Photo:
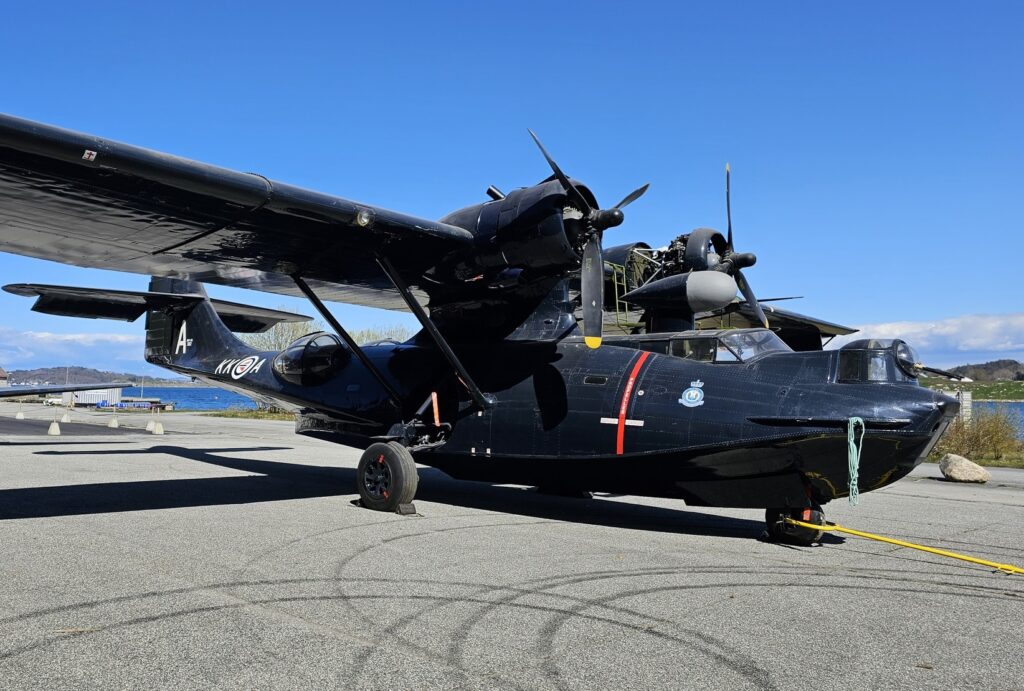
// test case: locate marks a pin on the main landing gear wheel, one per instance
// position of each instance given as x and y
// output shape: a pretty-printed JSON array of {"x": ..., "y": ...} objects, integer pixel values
[
  {"x": 386, "y": 477},
  {"x": 780, "y": 531}
]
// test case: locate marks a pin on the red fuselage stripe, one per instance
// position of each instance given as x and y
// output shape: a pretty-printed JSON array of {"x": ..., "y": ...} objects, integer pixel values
[{"x": 624, "y": 406}]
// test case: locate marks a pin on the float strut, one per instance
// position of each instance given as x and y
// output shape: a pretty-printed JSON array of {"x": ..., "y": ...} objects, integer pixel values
[
  {"x": 482, "y": 401},
  {"x": 336, "y": 325}
]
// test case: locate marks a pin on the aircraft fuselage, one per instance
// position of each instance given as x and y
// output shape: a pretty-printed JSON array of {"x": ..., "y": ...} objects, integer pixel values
[{"x": 771, "y": 432}]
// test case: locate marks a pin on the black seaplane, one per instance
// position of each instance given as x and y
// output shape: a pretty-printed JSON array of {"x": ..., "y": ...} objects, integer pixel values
[{"x": 501, "y": 384}]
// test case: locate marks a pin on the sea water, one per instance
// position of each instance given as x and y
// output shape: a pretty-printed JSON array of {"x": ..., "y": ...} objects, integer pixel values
[{"x": 192, "y": 397}]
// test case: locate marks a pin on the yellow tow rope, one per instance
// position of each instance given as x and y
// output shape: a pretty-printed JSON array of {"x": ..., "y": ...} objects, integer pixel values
[{"x": 1005, "y": 568}]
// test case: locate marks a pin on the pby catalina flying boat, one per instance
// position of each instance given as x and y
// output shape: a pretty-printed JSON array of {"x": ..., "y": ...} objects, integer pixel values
[{"x": 500, "y": 385}]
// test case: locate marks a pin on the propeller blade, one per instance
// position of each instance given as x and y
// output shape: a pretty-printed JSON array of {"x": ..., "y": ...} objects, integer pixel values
[
  {"x": 749, "y": 295},
  {"x": 728, "y": 207},
  {"x": 570, "y": 189},
  {"x": 633, "y": 196},
  {"x": 592, "y": 292}
]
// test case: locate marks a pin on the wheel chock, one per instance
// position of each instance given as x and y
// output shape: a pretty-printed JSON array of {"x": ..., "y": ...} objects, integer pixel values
[{"x": 406, "y": 509}]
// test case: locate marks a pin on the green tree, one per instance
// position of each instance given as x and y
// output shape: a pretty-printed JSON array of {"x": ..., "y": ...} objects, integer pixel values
[{"x": 282, "y": 334}]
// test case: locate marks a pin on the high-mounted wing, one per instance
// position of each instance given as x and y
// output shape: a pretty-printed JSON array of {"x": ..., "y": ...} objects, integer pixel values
[
  {"x": 82, "y": 200},
  {"x": 14, "y": 391},
  {"x": 129, "y": 305}
]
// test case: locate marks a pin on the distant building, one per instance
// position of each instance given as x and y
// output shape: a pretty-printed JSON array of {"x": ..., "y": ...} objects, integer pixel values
[{"x": 3, "y": 377}]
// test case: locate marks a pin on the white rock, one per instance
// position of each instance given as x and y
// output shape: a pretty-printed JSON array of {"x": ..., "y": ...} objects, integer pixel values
[{"x": 959, "y": 469}]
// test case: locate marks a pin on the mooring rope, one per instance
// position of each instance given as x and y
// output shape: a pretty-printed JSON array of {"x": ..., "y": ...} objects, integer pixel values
[{"x": 854, "y": 447}]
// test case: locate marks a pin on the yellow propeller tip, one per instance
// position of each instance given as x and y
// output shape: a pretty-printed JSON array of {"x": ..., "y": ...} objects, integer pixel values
[
  {"x": 726, "y": 166},
  {"x": 592, "y": 341}
]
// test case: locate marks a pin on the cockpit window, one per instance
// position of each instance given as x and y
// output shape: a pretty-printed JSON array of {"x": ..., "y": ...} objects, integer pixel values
[
  {"x": 660, "y": 346},
  {"x": 724, "y": 354},
  {"x": 738, "y": 346},
  {"x": 699, "y": 349},
  {"x": 748, "y": 345}
]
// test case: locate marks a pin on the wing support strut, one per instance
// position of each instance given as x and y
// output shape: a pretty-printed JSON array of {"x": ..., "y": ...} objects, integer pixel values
[
  {"x": 336, "y": 325},
  {"x": 483, "y": 401}
]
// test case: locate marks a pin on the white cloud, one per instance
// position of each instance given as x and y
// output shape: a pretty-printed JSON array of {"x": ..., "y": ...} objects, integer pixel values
[
  {"x": 28, "y": 349},
  {"x": 953, "y": 341}
]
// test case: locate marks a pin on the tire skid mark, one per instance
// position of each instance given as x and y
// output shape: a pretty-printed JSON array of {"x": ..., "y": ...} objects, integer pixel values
[
  {"x": 345, "y": 528},
  {"x": 843, "y": 571},
  {"x": 538, "y": 608},
  {"x": 367, "y": 618},
  {"x": 546, "y": 644}
]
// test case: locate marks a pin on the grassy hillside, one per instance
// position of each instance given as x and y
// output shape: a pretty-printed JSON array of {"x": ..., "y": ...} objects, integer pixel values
[{"x": 980, "y": 390}]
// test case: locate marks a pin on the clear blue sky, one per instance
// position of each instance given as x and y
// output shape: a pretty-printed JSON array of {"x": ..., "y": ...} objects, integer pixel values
[{"x": 876, "y": 147}]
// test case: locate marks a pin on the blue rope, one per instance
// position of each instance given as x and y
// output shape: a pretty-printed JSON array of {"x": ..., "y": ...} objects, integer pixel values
[{"x": 854, "y": 447}]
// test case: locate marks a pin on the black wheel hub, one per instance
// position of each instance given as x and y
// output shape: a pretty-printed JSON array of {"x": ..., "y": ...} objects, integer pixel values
[{"x": 377, "y": 478}]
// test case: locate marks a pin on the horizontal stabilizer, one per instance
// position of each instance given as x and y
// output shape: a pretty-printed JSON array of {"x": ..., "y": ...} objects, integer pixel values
[
  {"x": 13, "y": 391},
  {"x": 129, "y": 305}
]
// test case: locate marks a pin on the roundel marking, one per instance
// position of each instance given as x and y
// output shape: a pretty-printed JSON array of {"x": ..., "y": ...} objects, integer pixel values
[{"x": 243, "y": 366}]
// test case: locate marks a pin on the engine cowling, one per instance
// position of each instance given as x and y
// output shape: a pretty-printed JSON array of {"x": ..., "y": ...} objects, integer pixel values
[{"x": 531, "y": 228}]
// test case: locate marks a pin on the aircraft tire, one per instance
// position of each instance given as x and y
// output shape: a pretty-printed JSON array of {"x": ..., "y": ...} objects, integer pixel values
[
  {"x": 386, "y": 476},
  {"x": 794, "y": 535}
]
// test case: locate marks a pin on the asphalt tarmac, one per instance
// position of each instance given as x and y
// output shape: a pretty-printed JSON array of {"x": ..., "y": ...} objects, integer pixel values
[{"x": 229, "y": 554}]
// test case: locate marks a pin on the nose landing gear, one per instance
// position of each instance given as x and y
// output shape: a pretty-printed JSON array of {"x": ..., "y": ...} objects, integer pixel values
[{"x": 780, "y": 531}]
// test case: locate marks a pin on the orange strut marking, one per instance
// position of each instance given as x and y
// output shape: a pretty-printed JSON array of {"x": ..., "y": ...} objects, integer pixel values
[
  {"x": 437, "y": 415},
  {"x": 620, "y": 436}
]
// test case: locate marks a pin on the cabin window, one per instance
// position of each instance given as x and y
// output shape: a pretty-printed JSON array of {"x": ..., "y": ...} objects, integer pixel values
[{"x": 595, "y": 380}]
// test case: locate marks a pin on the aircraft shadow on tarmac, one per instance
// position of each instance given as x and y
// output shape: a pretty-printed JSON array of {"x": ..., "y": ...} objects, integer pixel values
[{"x": 277, "y": 481}]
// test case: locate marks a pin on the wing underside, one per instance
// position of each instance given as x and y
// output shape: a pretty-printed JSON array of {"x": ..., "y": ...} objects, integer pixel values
[{"x": 82, "y": 200}]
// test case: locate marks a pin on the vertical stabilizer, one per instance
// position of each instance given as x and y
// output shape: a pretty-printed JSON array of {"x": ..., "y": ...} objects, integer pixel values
[{"x": 192, "y": 337}]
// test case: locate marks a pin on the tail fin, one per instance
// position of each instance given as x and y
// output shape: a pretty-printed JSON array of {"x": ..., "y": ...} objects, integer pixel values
[
  {"x": 191, "y": 336},
  {"x": 184, "y": 327}
]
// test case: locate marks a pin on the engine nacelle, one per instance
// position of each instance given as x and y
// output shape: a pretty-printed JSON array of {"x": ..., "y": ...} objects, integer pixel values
[
  {"x": 699, "y": 291},
  {"x": 530, "y": 228}
]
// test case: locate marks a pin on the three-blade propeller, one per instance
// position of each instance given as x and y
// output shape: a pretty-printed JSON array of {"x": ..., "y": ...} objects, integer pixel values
[
  {"x": 595, "y": 221},
  {"x": 733, "y": 262}
]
